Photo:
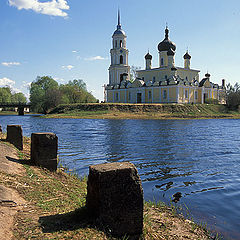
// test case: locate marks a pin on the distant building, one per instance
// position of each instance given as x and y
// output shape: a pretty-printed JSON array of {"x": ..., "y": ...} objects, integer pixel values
[{"x": 164, "y": 84}]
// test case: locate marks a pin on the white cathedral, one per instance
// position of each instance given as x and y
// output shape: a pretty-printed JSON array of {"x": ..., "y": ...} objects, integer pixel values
[{"x": 166, "y": 83}]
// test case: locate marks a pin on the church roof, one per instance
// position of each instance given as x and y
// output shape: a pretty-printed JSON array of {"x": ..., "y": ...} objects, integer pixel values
[
  {"x": 119, "y": 32},
  {"x": 166, "y": 44}
]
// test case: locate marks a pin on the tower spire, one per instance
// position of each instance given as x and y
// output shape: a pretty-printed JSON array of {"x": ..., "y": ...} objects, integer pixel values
[
  {"x": 166, "y": 31},
  {"x": 119, "y": 22}
]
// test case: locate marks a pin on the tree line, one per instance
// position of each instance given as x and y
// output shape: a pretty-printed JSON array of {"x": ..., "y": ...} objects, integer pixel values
[
  {"x": 46, "y": 93},
  {"x": 8, "y": 96}
]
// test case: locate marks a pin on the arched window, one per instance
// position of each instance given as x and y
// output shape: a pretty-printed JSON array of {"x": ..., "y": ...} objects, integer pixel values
[
  {"x": 120, "y": 43},
  {"x": 121, "y": 59},
  {"x": 161, "y": 61},
  {"x": 116, "y": 43}
]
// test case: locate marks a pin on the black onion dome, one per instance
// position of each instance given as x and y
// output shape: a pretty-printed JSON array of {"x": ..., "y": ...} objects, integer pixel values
[
  {"x": 148, "y": 56},
  {"x": 166, "y": 44},
  {"x": 207, "y": 75},
  {"x": 187, "y": 56},
  {"x": 170, "y": 52}
]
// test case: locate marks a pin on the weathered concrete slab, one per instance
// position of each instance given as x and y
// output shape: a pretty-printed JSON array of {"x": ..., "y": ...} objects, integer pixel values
[
  {"x": 44, "y": 147},
  {"x": 14, "y": 136},
  {"x": 115, "y": 196}
]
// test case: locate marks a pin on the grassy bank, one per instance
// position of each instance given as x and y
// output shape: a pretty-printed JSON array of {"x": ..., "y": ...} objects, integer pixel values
[
  {"x": 56, "y": 208},
  {"x": 13, "y": 113},
  {"x": 142, "y": 111}
]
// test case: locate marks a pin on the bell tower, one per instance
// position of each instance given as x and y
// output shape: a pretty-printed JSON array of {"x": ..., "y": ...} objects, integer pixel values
[{"x": 119, "y": 69}]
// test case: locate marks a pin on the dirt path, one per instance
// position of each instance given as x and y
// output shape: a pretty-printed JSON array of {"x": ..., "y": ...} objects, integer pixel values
[{"x": 10, "y": 200}]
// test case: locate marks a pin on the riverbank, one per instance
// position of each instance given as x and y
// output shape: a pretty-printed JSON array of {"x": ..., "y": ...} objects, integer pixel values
[
  {"x": 142, "y": 111},
  {"x": 15, "y": 113},
  {"x": 52, "y": 205}
]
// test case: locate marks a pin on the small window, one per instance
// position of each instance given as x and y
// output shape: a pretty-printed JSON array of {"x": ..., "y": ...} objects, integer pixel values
[
  {"x": 129, "y": 96},
  {"x": 149, "y": 94},
  {"x": 166, "y": 77},
  {"x": 186, "y": 78},
  {"x": 121, "y": 59},
  {"x": 161, "y": 61},
  {"x": 164, "y": 94},
  {"x": 154, "y": 79},
  {"x": 120, "y": 43},
  {"x": 116, "y": 43},
  {"x": 196, "y": 95},
  {"x": 186, "y": 93},
  {"x": 116, "y": 96}
]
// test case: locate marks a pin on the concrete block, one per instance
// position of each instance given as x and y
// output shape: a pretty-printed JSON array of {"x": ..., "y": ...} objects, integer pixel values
[
  {"x": 115, "y": 196},
  {"x": 44, "y": 147},
  {"x": 14, "y": 136}
]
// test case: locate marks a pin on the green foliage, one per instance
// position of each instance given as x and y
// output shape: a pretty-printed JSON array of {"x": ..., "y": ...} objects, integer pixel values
[
  {"x": 233, "y": 96},
  {"x": 18, "y": 98},
  {"x": 76, "y": 92},
  {"x": 45, "y": 93},
  {"x": 5, "y": 94},
  {"x": 8, "y": 96},
  {"x": 211, "y": 101}
]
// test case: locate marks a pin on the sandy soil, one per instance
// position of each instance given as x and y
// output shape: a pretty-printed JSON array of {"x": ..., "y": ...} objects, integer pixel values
[{"x": 10, "y": 201}]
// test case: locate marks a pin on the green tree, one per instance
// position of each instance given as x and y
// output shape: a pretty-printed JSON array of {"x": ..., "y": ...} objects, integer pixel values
[
  {"x": 76, "y": 92},
  {"x": 18, "y": 98},
  {"x": 233, "y": 96},
  {"x": 5, "y": 95},
  {"x": 44, "y": 94}
]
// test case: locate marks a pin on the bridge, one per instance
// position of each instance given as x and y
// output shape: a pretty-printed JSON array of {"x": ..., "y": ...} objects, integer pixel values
[{"x": 20, "y": 106}]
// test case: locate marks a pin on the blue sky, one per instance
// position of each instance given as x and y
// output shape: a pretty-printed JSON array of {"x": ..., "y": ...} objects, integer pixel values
[{"x": 71, "y": 39}]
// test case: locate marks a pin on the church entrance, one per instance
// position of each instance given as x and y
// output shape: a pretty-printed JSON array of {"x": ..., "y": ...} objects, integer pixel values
[{"x": 139, "y": 97}]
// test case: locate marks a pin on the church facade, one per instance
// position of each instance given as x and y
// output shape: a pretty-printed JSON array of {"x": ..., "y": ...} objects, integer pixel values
[{"x": 163, "y": 84}]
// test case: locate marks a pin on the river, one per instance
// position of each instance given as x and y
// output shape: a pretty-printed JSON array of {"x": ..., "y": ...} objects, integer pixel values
[{"x": 199, "y": 158}]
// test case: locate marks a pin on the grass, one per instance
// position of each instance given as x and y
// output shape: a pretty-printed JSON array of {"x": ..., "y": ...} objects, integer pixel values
[
  {"x": 78, "y": 114},
  {"x": 142, "y": 111},
  {"x": 56, "y": 209}
]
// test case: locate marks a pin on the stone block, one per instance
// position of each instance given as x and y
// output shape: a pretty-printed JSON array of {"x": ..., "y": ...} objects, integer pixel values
[
  {"x": 14, "y": 136},
  {"x": 115, "y": 197},
  {"x": 44, "y": 147}
]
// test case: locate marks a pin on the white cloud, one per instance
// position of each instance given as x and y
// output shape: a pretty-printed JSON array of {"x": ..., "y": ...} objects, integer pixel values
[
  {"x": 59, "y": 79},
  {"x": 52, "y": 8},
  {"x": 95, "y": 58},
  {"x": 74, "y": 51},
  {"x": 69, "y": 67},
  {"x": 6, "y": 82},
  {"x": 8, "y": 64},
  {"x": 26, "y": 84},
  {"x": 16, "y": 90}
]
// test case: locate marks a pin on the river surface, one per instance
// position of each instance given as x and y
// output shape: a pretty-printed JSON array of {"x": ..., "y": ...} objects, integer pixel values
[{"x": 199, "y": 158}]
